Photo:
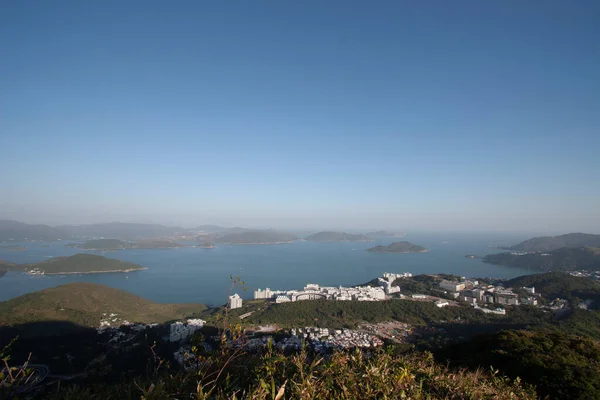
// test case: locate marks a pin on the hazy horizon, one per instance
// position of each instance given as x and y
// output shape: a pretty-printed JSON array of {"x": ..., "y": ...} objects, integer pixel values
[{"x": 340, "y": 115}]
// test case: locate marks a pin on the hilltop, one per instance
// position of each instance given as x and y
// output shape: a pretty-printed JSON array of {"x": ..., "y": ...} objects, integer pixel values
[
  {"x": 563, "y": 259},
  {"x": 81, "y": 264},
  {"x": 549, "y": 243},
  {"x": 328, "y": 236},
  {"x": 13, "y": 230},
  {"x": 83, "y": 304},
  {"x": 398, "y": 247},
  {"x": 257, "y": 237}
]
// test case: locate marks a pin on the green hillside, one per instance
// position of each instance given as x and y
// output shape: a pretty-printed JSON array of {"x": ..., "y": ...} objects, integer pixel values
[
  {"x": 84, "y": 303},
  {"x": 338, "y": 237},
  {"x": 564, "y": 259},
  {"x": 549, "y": 243},
  {"x": 82, "y": 263},
  {"x": 559, "y": 284}
]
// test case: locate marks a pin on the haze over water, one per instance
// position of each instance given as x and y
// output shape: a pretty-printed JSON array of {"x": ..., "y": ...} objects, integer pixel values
[{"x": 194, "y": 275}]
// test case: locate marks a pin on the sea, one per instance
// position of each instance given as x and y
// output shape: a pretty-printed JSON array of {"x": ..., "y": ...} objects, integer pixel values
[{"x": 196, "y": 275}]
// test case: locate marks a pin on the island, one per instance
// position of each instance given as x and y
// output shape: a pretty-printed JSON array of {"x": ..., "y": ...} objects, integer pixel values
[
  {"x": 471, "y": 256},
  {"x": 206, "y": 246},
  {"x": 13, "y": 248},
  {"x": 328, "y": 236},
  {"x": 116, "y": 244},
  {"x": 549, "y": 243},
  {"x": 79, "y": 264},
  {"x": 398, "y": 247},
  {"x": 257, "y": 237},
  {"x": 87, "y": 305},
  {"x": 563, "y": 259},
  {"x": 378, "y": 234}
]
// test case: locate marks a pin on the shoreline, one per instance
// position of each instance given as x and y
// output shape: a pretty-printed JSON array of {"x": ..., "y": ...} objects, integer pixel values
[{"x": 89, "y": 272}]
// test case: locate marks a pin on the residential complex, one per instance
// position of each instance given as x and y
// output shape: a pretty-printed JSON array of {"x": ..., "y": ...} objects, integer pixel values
[
  {"x": 235, "y": 301},
  {"x": 181, "y": 331}
]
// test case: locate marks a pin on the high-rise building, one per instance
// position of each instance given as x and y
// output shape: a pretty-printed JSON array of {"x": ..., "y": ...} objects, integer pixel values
[{"x": 235, "y": 301}]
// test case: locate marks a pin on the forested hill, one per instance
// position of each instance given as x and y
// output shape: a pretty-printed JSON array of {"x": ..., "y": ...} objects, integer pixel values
[
  {"x": 81, "y": 263},
  {"x": 549, "y": 243},
  {"x": 558, "y": 284},
  {"x": 84, "y": 304},
  {"x": 338, "y": 237},
  {"x": 398, "y": 247},
  {"x": 13, "y": 230},
  {"x": 563, "y": 259}
]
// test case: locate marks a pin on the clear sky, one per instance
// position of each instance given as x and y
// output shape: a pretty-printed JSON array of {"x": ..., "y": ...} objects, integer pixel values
[{"x": 476, "y": 115}]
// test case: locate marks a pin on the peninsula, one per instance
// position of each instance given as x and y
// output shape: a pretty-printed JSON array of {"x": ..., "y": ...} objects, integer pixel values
[
  {"x": 563, "y": 259},
  {"x": 79, "y": 264},
  {"x": 398, "y": 247},
  {"x": 116, "y": 244},
  {"x": 329, "y": 236},
  {"x": 257, "y": 237},
  {"x": 549, "y": 243}
]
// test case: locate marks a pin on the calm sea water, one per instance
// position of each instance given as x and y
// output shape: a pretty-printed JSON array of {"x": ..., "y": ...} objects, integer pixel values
[{"x": 193, "y": 275}]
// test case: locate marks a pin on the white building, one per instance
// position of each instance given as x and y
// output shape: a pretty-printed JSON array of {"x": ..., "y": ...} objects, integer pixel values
[
  {"x": 452, "y": 286},
  {"x": 530, "y": 290},
  {"x": 441, "y": 303},
  {"x": 180, "y": 331},
  {"x": 235, "y": 301}
]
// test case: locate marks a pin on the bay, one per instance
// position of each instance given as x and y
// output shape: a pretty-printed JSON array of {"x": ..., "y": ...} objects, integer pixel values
[{"x": 195, "y": 275}]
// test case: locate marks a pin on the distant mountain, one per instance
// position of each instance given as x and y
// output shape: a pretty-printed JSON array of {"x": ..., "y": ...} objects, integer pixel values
[
  {"x": 13, "y": 230},
  {"x": 124, "y": 231},
  {"x": 257, "y": 237},
  {"x": 563, "y": 259},
  {"x": 378, "y": 234},
  {"x": 549, "y": 243},
  {"x": 398, "y": 247},
  {"x": 80, "y": 264},
  {"x": 338, "y": 237},
  {"x": 220, "y": 229},
  {"x": 85, "y": 304}
]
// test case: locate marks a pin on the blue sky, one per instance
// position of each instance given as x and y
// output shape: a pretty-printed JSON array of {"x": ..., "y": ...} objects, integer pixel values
[{"x": 463, "y": 115}]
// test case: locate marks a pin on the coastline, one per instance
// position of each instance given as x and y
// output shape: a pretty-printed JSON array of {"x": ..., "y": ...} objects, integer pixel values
[
  {"x": 398, "y": 252},
  {"x": 254, "y": 244},
  {"x": 90, "y": 272}
]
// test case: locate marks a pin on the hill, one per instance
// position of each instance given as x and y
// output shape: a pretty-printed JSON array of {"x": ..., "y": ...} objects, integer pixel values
[
  {"x": 338, "y": 237},
  {"x": 124, "y": 231},
  {"x": 549, "y": 243},
  {"x": 257, "y": 237},
  {"x": 104, "y": 244},
  {"x": 398, "y": 247},
  {"x": 13, "y": 230},
  {"x": 558, "y": 284},
  {"x": 563, "y": 259},
  {"x": 81, "y": 264},
  {"x": 84, "y": 304}
]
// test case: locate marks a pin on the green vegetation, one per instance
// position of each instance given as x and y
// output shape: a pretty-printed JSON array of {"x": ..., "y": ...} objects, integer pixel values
[
  {"x": 549, "y": 243},
  {"x": 83, "y": 305},
  {"x": 338, "y": 237},
  {"x": 558, "y": 284},
  {"x": 564, "y": 259},
  {"x": 561, "y": 366},
  {"x": 257, "y": 237},
  {"x": 237, "y": 375},
  {"x": 398, "y": 247},
  {"x": 82, "y": 263}
]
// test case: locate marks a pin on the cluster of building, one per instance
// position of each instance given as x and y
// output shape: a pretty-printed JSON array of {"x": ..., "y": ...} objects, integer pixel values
[
  {"x": 386, "y": 281},
  {"x": 586, "y": 274},
  {"x": 180, "y": 331},
  {"x": 324, "y": 338},
  {"x": 313, "y": 291},
  {"x": 472, "y": 292}
]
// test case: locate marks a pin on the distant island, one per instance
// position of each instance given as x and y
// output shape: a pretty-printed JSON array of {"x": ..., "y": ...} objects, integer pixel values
[
  {"x": 378, "y": 234},
  {"x": 471, "y": 256},
  {"x": 338, "y": 237},
  {"x": 549, "y": 243},
  {"x": 79, "y": 264},
  {"x": 116, "y": 244},
  {"x": 563, "y": 259},
  {"x": 206, "y": 246},
  {"x": 85, "y": 304},
  {"x": 398, "y": 247},
  {"x": 257, "y": 237},
  {"x": 13, "y": 248}
]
